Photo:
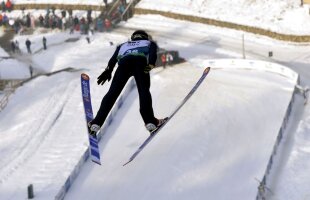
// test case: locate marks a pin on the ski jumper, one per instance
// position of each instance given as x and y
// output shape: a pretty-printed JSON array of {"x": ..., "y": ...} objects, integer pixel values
[{"x": 132, "y": 58}]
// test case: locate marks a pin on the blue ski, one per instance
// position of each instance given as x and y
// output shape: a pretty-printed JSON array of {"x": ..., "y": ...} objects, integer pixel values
[
  {"x": 93, "y": 141},
  {"x": 154, "y": 133}
]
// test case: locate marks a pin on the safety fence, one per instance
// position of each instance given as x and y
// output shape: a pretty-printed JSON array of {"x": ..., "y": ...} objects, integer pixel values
[
  {"x": 4, "y": 98},
  {"x": 7, "y": 88},
  {"x": 263, "y": 189},
  {"x": 69, "y": 181},
  {"x": 292, "y": 76}
]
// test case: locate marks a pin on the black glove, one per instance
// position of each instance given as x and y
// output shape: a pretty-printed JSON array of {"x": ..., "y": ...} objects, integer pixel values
[
  {"x": 148, "y": 68},
  {"x": 106, "y": 75}
]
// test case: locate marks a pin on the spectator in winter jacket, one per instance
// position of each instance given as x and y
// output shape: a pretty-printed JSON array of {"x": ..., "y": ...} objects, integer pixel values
[
  {"x": 13, "y": 46},
  {"x": 1, "y": 18},
  {"x": 105, "y": 3},
  {"x": 3, "y": 6},
  {"x": 163, "y": 59},
  {"x": 28, "y": 20},
  {"x": 41, "y": 20},
  {"x": 107, "y": 24},
  {"x": 76, "y": 23},
  {"x": 5, "y": 19},
  {"x": 28, "y": 44},
  {"x": 8, "y": 5},
  {"x": 17, "y": 46},
  {"x": 44, "y": 43},
  {"x": 169, "y": 58},
  {"x": 99, "y": 24}
]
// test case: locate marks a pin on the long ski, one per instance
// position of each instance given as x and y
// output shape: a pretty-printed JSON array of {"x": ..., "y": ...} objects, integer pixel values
[
  {"x": 93, "y": 140},
  {"x": 154, "y": 133}
]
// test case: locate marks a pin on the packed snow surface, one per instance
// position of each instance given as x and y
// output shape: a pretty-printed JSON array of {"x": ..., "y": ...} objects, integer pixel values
[{"x": 216, "y": 146}]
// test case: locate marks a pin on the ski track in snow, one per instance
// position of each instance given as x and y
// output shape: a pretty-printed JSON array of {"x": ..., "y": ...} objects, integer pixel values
[{"x": 36, "y": 133}]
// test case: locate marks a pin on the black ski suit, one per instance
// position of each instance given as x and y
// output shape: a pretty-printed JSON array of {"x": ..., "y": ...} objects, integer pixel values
[{"x": 132, "y": 58}]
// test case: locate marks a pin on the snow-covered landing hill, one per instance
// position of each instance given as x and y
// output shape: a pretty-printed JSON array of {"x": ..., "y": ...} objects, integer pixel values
[{"x": 215, "y": 146}]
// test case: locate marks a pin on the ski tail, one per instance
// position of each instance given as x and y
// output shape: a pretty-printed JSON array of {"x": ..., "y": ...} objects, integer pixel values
[{"x": 94, "y": 150}]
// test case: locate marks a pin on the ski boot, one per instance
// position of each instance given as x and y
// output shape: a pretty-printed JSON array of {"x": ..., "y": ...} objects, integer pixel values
[
  {"x": 93, "y": 129},
  {"x": 152, "y": 127}
]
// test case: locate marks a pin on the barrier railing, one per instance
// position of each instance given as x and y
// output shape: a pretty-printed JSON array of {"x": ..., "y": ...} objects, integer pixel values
[
  {"x": 262, "y": 192},
  {"x": 273, "y": 68},
  {"x": 9, "y": 89}
]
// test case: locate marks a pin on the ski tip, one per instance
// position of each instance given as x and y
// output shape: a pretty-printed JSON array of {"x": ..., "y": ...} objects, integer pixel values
[
  {"x": 127, "y": 163},
  {"x": 206, "y": 70},
  {"x": 84, "y": 76}
]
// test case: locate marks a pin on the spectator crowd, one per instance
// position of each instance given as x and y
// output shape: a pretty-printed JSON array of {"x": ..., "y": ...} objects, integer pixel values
[{"x": 64, "y": 19}]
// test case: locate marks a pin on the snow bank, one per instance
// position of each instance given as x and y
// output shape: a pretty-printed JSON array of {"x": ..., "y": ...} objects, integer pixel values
[{"x": 278, "y": 16}]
